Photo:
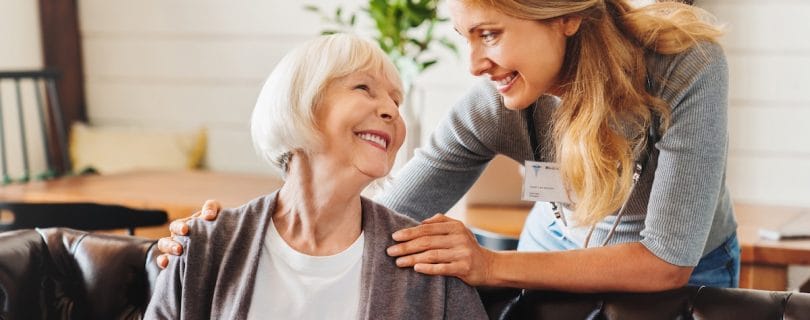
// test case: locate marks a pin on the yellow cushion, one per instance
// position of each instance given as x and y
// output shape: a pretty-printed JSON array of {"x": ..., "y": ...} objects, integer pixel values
[{"x": 111, "y": 149}]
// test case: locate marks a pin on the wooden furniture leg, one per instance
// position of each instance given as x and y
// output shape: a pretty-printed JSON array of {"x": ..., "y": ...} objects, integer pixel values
[{"x": 763, "y": 276}]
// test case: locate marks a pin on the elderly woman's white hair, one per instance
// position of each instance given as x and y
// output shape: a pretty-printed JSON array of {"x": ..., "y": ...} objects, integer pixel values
[{"x": 283, "y": 119}]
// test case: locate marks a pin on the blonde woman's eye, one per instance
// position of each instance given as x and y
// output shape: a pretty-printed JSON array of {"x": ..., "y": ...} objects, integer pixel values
[
  {"x": 362, "y": 87},
  {"x": 488, "y": 36}
]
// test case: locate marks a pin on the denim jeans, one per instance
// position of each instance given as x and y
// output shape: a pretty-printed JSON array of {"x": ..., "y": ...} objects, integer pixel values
[{"x": 718, "y": 268}]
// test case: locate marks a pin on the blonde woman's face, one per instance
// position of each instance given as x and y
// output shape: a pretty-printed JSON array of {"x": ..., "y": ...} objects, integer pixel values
[
  {"x": 521, "y": 57},
  {"x": 359, "y": 119}
]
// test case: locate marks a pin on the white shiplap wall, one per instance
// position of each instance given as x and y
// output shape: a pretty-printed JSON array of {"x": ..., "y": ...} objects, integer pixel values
[
  {"x": 189, "y": 63},
  {"x": 20, "y": 49},
  {"x": 769, "y": 99}
]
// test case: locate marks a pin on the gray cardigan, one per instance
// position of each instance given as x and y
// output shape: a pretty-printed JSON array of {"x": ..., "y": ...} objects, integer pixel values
[
  {"x": 214, "y": 278},
  {"x": 681, "y": 208}
]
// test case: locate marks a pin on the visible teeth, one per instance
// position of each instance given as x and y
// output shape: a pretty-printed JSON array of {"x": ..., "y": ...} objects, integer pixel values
[
  {"x": 373, "y": 138},
  {"x": 506, "y": 80}
]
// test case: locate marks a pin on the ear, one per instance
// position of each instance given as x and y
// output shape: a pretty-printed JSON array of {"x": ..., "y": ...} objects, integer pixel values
[{"x": 571, "y": 25}]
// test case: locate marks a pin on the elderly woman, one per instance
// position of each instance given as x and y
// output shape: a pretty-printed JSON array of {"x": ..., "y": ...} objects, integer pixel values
[{"x": 327, "y": 119}]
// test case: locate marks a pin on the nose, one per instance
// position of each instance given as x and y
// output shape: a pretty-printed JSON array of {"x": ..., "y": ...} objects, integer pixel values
[
  {"x": 388, "y": 110},
  {"x": 479, "y": 63}
]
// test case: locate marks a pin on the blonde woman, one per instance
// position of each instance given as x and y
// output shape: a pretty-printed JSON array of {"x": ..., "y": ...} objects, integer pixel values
[
  {"x": 328, "y": 119},
  {"x": 628, "y": 103}
]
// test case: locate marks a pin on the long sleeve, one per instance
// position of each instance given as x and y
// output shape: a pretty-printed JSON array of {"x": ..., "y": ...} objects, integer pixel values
[
  {"x": 391, "y": 292},
  {"x": 689, "y": 180},
  {"x": 477, "y": 128},
  {"x": 462, "y": 301},
  {"x": 214, "y": 277},
  {"x": 166, "y": 299}
]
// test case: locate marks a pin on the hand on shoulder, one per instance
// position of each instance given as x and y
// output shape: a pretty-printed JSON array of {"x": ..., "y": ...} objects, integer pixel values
[{"x": 170, "y": 246}]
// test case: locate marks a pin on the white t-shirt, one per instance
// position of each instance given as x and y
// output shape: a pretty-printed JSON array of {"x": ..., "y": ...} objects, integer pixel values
[{"x": 292, "y": 285}]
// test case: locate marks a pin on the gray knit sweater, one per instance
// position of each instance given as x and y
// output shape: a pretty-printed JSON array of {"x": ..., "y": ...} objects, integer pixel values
[
  {"x": 214, "y": 278},
  {"x": 680, "y": 209}
]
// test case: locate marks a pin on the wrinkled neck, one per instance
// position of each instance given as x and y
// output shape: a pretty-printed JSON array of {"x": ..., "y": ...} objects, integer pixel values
[{"x": 318, "y": 210}]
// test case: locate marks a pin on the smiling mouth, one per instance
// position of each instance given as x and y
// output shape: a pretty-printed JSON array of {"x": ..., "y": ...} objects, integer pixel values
[
  {"x": 379, "y": 140},
  {"x": 503, "y": 84}
]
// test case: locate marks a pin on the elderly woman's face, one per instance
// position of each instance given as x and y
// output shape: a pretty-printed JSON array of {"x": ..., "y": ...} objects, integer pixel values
[{"x": 360, "y": 122}]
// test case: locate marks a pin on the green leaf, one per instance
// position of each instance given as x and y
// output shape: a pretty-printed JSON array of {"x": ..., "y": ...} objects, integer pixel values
[
  {"x": 422, "y": 45},
  {"x": 404, "y": 29},
  {"x": 427, "y": 64},
  {"x": 380, "y": 5},
  {"x": 312, "y": 8}
]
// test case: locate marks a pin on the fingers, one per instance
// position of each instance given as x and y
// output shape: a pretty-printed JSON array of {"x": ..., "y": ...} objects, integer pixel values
[
  {"x": 209, "y": 212},
  {"x": 179, "y": 227},
  {"x": 435, "y": 256},
  {"x": 169, "y": 246},
  {"x": 472, "y": 270},
  {"x": 210, "y": 209},
  {"x": 425, "y": 243},
  {"x": 455, "y": 269},
  {"x": 162, "y": 261},
  {"x": 430, "y": 228}
]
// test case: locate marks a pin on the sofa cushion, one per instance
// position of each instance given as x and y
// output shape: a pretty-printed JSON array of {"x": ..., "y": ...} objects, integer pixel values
[{"x": 117, "y": 149}]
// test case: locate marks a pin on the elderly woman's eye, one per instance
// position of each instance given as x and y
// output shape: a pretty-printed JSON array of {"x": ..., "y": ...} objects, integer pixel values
[{"x": 362, "y": 87}]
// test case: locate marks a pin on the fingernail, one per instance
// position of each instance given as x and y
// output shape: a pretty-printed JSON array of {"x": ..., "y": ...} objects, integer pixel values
[
  {"x": 208, "y": 213},
  {"x": 400, "y": 262},
  {"x": 176, "y": 249},
  {"x": 397, "y": 235},
  {"x": 392, "y": 251}
]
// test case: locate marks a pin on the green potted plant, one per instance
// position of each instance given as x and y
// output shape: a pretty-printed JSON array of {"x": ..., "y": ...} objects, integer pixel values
[{"x": 404, "y": 29}]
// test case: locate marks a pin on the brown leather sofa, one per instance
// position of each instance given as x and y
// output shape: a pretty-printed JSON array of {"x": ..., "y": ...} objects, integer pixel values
[{"x": 68, "y": 274}]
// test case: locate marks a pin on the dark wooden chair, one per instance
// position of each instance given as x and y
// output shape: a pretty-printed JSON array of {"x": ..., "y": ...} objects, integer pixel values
[
  {"x": 31, "y": 118},
  {"x": 17, "y": 135},
  {"x": 83, "y": 216}
]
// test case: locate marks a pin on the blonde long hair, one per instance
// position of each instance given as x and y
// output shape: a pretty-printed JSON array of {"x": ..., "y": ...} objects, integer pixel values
[{"x": 598, "y": 130}]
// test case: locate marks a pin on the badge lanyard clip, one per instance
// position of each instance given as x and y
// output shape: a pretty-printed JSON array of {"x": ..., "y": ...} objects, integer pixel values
[{"x": 555, "y": 206}]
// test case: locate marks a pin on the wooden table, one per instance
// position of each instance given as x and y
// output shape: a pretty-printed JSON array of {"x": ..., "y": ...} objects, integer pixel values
[
  {"x": 180, "y": 193},
  {"x": 764, "y": 262}
]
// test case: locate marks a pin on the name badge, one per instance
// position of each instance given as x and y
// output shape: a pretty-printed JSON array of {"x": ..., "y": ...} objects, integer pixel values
[{"x": 542, "y": 182}]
